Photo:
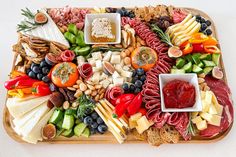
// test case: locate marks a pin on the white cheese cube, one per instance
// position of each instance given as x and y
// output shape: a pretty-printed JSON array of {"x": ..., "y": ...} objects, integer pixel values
[
  {"x": 219, "y": 109},
  {"x": 118, "y": 68},
  {"x": 115, "y": 75},
  {"x": 107, "y": 56},
  {"x": 115, "y": 59},
  {"x": 80, "y": 60},
  {"x": 126, "y": 68},
  {"x": 206, "y": 116},
  {"x": 197, "y": 119},
  {"x": 201, "y": 125},
  {"x": 105, "y": 83},
  {"x": 103, "y": 76},
  {"x": 95, "y": 77},
  {"x": 97, "y": 55},
  {"x": 212, "y": 109},
  {"x": 118, "y": 81},
  {"x": 99, "y": 64},
  {"x": 91, "y": 61},
  {"x": 126, "y": 73},
  {"x": 143, "y": 124},
  {"x": 208, "y": 97},
  {"x": 215, "y": 120}
]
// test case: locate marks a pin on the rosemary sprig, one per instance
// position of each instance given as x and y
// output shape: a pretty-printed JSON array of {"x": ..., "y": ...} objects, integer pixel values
[
  {"x": 27, "y": 13},
  {"x": 191, "y": 129},
  {"x": 164, "y": 37}
]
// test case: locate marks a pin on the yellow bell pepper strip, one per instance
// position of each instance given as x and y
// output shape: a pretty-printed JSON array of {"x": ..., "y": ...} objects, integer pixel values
[
  {"x": 198, "y": 38},
  {"x": 186, "y": 47},
  {"x": 16, "y": 93},
  {"x": 210, "y": 41},
  {"x": 211, "y": 49},
  {"x": 16, "y": 73}
]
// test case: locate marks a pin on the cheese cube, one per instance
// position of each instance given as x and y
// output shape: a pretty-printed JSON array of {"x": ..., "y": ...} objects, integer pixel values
[
  {"x": 215, "y": 120},
  {"x": 97, "y": 55},
  {"x": 99, "y": 64},
  {"x": 205, "y": 106},
  {"x": 91, "y": 61},
  {"x": 132, "y": 124},
  {"x": 103, "y": 76},
  {"x": 118, "y": 68},
  {"x": 105, "y": 83},
  {"x": 206, "y": 116},
  {"x": 80, "y": 60},
  {"x": 107, "y": 56},
  {"x": 201, "y": 125},
  {"x": 136, "y": 116},
  {"x": 115, "y": 75},
  {"x": 95, "y": 77},
  {"x": 126, "y": 73},
  {"x": 212, "y": 109},
  {"x": 197, "y": 119},
  {"x": 126, "y": 68},
  {"x": 208, "y": 97},
  {"x": 203, "y": 94},
  {"x": 115, "y": 59},
  {"x": 118, "y": 81},
  {"x": 143, "y": 124},
  {"x": 219, "y": 109},
  {"x": 194, "y": 114}
]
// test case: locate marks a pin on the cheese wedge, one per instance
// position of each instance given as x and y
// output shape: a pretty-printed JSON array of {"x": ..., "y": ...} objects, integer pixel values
[
  {"x": 142, "y": 124},
  {"x": 212, "y": 109},
  {"x": 197, "y": 119},
  {"x": 215, "y": 120},
  {"x": 201, "y": 125},
  {"x": 35, "y": 135},
  {"x": 18, "y": 109}
]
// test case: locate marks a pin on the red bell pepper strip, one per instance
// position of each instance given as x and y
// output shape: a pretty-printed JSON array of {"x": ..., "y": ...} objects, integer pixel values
[
  {"x": 124, "y": 98},
  {"x": 121, "y": 108},
  {"x": 135, "y": 105},
  {"x": 25, "y": 83},
  {"x": 41, "y": 90},
  {"x": 198, "y": 48},
  {"x": 143, "y": 111},
  {"x": 186, "y": 47},
  {"x": 211, "y": 49},
  {"x": 10, "y": 84}
]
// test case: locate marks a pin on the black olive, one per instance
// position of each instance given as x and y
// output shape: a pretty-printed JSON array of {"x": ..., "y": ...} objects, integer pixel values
[
  {"x": 208, "y": 22},
  {"x": 203, "y": 27},
  {"x": 208, "y": 32}
]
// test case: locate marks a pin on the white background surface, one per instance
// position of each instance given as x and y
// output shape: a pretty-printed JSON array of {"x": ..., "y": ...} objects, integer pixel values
[{"x": 223, "y": 14}]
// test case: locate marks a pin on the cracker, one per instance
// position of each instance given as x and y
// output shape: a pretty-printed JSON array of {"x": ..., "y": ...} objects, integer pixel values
[
  {"x": 169, "y": 134},
  {"x": 153, "y": 136}
]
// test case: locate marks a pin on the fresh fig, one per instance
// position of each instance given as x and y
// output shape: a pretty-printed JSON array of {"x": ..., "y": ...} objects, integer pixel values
[
  {"x": 49, "y": 131},
  {"x": 57, "y": 99},
  {"x": 108, "y": 68},
  {"x": 217, "y": 73},
  {"x": 40, "y": 18},
  {"x": 174, "y": 52}
]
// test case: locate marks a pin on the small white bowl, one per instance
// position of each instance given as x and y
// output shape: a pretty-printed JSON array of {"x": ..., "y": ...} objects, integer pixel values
[
  {"x": 191, "y": 78},
  {"x": 113, "y": 17}
]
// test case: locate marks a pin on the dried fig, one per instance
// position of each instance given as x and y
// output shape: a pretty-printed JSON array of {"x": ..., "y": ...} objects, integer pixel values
[
  {"x": 57, "y": 99},
  {"x": 49, "y": 131}
]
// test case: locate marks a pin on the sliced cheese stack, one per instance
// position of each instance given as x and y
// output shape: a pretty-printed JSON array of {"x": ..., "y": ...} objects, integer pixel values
[
  {"x": 118, "y": 72},
  {"x": 30, "y": 115},
  {"x": 141, "y": 123},
  {"x": 117, "y": 126},
  {"x": 211, "y": 113},
  {"x": 181, "y": 32}
]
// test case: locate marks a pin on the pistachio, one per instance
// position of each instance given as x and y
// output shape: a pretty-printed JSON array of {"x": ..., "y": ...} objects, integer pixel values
[
  {"x": 94, "y": 93},
  {"x": 78, "y": 93},
  {"x": 202, "y": 75},
  {"x": 96, "y": 98},
  {"x": 76, "y": 86},
  {"x": 82, "y": 87},
  {"x": 71, "y": 88},
  {"x": 101, "y": 91},
  {"x": 127, "y": 60},
  {"x": 78, "y": 82},
  {"x": 142, "y": 42},
  {"x": 88, "y": 92},
  {"x": 90, "y": 87},
  {"x": 98, "y": 86},
  {"x": 123, "y": 54},
  {"x": 201, "y": 80},
  {"x": 101, "y": 96},
  {"x": 66, "y": 105}
]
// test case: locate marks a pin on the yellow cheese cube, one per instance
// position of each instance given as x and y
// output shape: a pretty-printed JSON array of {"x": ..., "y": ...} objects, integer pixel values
[
  {"x": 197, "y": 119},
  {"x": 219, "y": 108},
  {"x": 201, "y": 125},
  {"x": 194, "y": 114},
  {"x": 132, "y": 124},
  {"x": 215, "y": 120},
  {"x": 214, "y": 99},
  {"x": 136, "y": 116},
  {"x": 208, "y": 97},
  {"x": 212, "y": 109},
  {"x": 206, "y": 116},
  {"x": 205, "y": 106},
  {"x": 142, "y": 124}
]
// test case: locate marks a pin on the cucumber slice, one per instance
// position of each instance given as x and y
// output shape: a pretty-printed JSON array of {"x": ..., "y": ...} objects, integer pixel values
[
  {"x": 188, "y": 67},
  {"x": 216, "y": 58},
  {"x": 84, "y": 51},
  {"x": 79, "y": 129},
  {"x": 201, "y": 65},
  {"x": 177, "y": 71},
  {"x": 196, "y": 58},
  {"x": 59, "y": 124},
  {"x": 68, "y": 133},
  {"x": 180, "y": 63},
  {"x": 197, "y": 69},
  {"x": 86, "y": 132},
  {"x": 207, "y": 70},
  {"x": 59, "y": 131},
  {"x": 56, "y": 117},
  {"x": 208, "y": 63},
  {"x": 68, "y": 122},
  {"x": 205, "y": 57},
  {"x": 189, "y": 58},
  {"x": 71, "y": 111}
]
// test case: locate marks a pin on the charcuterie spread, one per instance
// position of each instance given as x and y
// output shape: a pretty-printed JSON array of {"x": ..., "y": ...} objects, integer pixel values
[{"x": 149, "y": 74}]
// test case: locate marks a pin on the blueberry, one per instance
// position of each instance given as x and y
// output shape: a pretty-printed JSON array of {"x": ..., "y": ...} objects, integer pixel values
[
  {"x": 45, "y": 70},
  {"x": 198, "y": 17},
  {"x": 198, "y": 20},
  {"x": 93, "y": 131},
  {"x": 28, "y": 70},
  {"x": 131, "y": 15},
  {"x": 143, "y": 78},
  {"x": 52, "y": 87},
  {"x": 45, "y": 79},
  {"x": 36, "y": 69},
  {"x": 203, "y": 26},
  {"x": 137, "y": 90},
  {"x": 102, "y": 128},
  {"x": 99, "y": 120},
  {"x": 88, "y": 111},
  {"x": 94, "y": 125},
  {"x": 121, "y": 12},
  {"x": 208, "y": 32},
  {"x": 125, "y": 86},
  {"x": 203, "y": 20},
  {"x": 140, "y": 71},
  {"x": 208, "y": 22},
  {"x": 134, "y": 73},
  {"x": 138, "y": 83},
  {"x": 94, "y": 115},
  {"x": 32, "y": 74},
  {"x": 43, "y": 64},
  {"x": 134, "y": 79},
  {"x": 131, "y": 88},
  {"x": 88, "y": 120},
  {"x": 32, "y": 65},
  {"x": 39, "y": 76},
  {"x": 123, "y": 8}
]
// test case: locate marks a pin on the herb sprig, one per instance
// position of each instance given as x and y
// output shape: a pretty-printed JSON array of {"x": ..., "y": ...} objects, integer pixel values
[
  {"x": 86, "y": 106},
  {"x": 164, "y": 37}
]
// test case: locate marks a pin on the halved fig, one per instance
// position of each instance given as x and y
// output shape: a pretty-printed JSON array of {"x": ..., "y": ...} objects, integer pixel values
[
  {"x": 174, "y": 52},
  {"x": 217, "y": 73},
  {"x": 51, "y": 59},
  {"x": 108, "y": 68},
  {"x": 40, "y": 18},
  {"x": 57, "y": 99},
  {"x": 49, "y": 132}
]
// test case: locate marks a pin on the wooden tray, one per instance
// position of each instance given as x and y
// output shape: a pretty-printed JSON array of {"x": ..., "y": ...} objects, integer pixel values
[{"x": 108, "y": 138}]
